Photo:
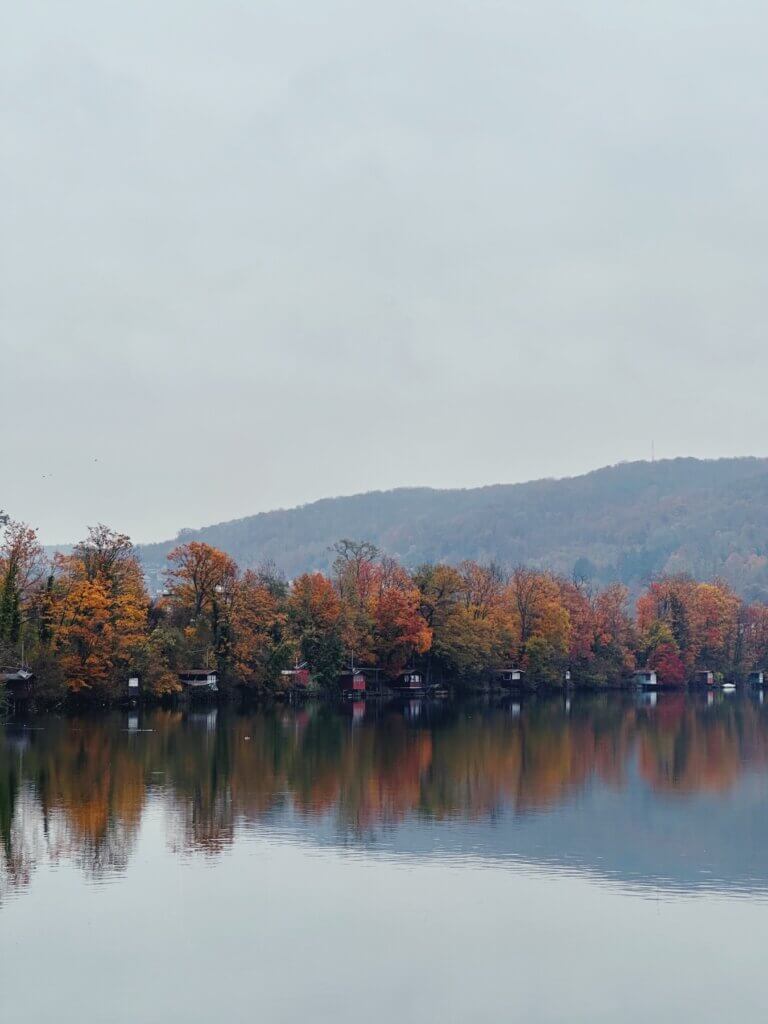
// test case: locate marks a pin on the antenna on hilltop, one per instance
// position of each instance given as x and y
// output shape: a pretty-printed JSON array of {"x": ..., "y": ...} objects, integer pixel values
[{"x": 653, "y": 451}]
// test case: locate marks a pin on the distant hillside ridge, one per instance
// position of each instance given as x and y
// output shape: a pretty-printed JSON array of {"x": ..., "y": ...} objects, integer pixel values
[{"x": 622, "y": 523}]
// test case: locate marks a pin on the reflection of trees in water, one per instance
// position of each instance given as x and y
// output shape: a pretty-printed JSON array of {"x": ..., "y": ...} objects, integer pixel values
[
  {"x": 688, "y": 747},
  {"x": 198, "y": 770},
  {"x": 24, "y": 846},
  {"x": 71, "y": 791},
  {"x": 77, "y": 789}
]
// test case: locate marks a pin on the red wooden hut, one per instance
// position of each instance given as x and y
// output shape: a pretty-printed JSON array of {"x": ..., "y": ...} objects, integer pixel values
[
  {"x": 352, "y": 684},
  {"x": 296, "y": 678}
]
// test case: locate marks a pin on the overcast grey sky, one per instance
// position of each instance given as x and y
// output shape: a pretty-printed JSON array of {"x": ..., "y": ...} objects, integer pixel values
[{"x": 256, "y": 253}]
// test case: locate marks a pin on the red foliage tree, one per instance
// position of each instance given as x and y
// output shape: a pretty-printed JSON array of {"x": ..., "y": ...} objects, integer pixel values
[{"x": 666, "y": 661}]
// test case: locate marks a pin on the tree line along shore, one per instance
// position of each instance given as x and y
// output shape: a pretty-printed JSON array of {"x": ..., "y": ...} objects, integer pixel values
[{"x": 85, "y": 623}]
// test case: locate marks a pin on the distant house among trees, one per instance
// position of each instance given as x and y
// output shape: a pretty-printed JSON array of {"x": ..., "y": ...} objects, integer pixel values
[
  {"x": 199, "y": 681},
  {"x": 645, "y": 677},
  {"x": 409, "y": 681},
  {"x": 508, "y": 676},
  {"x": 703, "y": 677},
  {"x": 297, "y": 678},
  {"x": 133, "y": 687},
  {"x": 352, "y": 684},
  {"x": 17, "y": 682}
]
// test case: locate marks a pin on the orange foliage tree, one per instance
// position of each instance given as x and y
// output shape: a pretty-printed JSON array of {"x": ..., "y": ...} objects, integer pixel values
[
  {"x": 538, "y": 621},
  {"x": 91, "y": 621},
  {"x": 261, "y": 648},
  {"x": 601, "y": 634},
  {"x": 201, "y": 586},
  {"x": 99, "y": 612},
  {"x": 399, "y": 631},
  {"x": 355, "y": 578},
  {"x": 462, "y": 610},
  {"x": 380, "y": 608}
]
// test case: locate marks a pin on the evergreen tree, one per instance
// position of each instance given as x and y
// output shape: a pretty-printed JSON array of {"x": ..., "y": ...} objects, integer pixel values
[{"x": 10, "y": 616}]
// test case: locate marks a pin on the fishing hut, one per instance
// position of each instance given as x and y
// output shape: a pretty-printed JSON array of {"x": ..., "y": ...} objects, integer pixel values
[
  {"x": 198, "y": 682},
  {"x": 352, "y": 685},
  {"x": 646, "y": 678},
  {"x": 508, "y": 677},
  {"x": 409, "y": 681}
]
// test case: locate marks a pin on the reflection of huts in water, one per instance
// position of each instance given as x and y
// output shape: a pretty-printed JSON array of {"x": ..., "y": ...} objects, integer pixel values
[
  {"x": 205, "y": 719},
  {"x": 412, "y": 709},
  {"x": 508, "y": 676},
  {"x": 198, "y": 682},
  {"x": 17, "y": 738},
  {"x": 352, "y": 685},
  {"x": 647, "y": 699}
]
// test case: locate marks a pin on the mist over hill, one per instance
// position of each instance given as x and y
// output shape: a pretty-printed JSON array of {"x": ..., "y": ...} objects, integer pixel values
[{"x": 625, "y": 522}]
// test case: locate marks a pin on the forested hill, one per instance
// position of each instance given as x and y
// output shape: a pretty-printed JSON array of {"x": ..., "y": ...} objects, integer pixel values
[{"x": 624, "y": 523}]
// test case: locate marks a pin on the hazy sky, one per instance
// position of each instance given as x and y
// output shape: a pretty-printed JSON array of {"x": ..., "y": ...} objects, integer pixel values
[{"x": 262, "y": 252}]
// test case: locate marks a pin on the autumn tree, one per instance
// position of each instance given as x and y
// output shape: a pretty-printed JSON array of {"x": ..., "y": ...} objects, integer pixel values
[
  {"x": 666, "y": 661},
  {"x": 462, "y": 608},
  {"x": 600, "y": 634},
  {"x": 22, "y": 572},
  {"x": 755, "y": 637},
  {"x": 715, "y": 619},
  {"x": 578, "y": 600},
  {"x": 314, "y": 622},
  {"x": 700, "y": 620},
  {"x": 614, "y": 640},
  {"x": 99, "y": 612},
  {"x": 261, "y": 646},
  {"x": 201, "y": 586},
  {"x": 399, "y": 630},
  {"x": 196, "y": 574},
  {"x": 538, "y": 622},
  {"x": 355, "y": 578}
]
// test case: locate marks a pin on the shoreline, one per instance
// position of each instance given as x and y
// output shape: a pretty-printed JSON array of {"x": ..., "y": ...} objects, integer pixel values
[{"x": 447, "y": 696}]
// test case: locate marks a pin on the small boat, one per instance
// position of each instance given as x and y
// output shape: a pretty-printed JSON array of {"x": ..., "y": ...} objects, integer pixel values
[{"x": 729, "y": 687}]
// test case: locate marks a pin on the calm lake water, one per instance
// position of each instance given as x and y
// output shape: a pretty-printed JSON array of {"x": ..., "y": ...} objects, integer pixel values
[{"x": 598, "y": 859}]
